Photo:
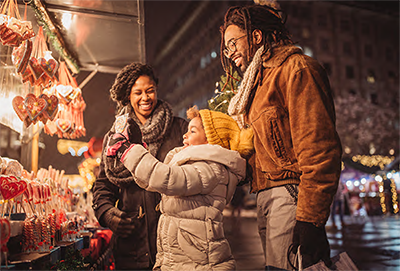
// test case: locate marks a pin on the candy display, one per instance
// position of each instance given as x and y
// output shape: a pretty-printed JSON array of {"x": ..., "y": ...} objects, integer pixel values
[{"x": 46, "y": 201}]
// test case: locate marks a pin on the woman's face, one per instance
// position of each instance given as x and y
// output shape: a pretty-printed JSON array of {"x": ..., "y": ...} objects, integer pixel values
[{"x": 144, "y": 97}]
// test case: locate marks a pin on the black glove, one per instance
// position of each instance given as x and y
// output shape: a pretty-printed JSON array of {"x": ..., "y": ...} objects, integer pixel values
[
  {"x": 119, "y": 142},
  {"x": 134, "y": 132},
  {"x": 118, "y": 222},
  {"x": 313, "y": 242}
]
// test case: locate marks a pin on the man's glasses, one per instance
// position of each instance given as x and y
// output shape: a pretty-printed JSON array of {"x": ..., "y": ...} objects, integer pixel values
[{"x": 232, "y": 46}]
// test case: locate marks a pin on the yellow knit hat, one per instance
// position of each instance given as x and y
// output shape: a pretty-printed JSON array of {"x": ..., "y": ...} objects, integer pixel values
[{"x": 221, "y": 129}]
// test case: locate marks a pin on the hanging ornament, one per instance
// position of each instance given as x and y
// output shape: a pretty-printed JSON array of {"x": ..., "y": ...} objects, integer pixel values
[
  {"x": 68, "y": 122},
  {"x": 41, "y": 64},
  {"x": 13, "y": 31}
]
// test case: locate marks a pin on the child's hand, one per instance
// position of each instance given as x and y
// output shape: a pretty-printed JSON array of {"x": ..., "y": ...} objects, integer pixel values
[{"x": 117, "y": 145}]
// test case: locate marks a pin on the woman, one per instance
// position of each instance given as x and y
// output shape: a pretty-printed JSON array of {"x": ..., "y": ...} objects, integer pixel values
[{"x": 134, "y": 220}]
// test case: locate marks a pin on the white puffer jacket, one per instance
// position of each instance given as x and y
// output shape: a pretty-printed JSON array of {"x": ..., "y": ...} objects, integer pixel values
[{"x": 196, "y": 183}]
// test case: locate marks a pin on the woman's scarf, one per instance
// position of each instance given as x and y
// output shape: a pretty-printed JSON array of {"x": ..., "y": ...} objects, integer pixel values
[{"x": 153, "y": 131}]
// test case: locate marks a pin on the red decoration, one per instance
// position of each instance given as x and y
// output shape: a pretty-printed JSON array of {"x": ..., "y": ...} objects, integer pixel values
[{"x": 11, "y": 187}]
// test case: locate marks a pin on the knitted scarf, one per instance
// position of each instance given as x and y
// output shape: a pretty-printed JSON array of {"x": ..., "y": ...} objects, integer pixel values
[
  {"x": 154, "y": 131},
  {"x": 239, "y": 101}
]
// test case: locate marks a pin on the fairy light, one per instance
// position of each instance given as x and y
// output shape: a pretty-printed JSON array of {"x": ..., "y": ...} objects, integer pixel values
[
  {"x": 394, "y": 196},
  {"x": 382, "y": 197},
  {"x": 86, "y": 170},
  {"x": 373, "y": 160},
  {"x": 379, "y": 179}
]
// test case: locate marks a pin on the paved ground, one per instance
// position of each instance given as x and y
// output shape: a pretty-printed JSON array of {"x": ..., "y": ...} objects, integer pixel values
[{"x": 373, "y": 243}]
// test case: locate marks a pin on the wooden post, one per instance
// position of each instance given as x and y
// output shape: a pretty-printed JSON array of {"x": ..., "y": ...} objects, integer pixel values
[
  {"x": 35, "y": 140},
  {"x": 35, "y": 148}
]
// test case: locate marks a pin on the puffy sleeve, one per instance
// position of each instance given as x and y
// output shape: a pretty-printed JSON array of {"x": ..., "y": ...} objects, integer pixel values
[{"x": 173, "y": 180}]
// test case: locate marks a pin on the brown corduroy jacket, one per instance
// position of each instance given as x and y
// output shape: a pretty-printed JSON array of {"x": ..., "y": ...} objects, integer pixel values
[{"x": 292, "y": 114}]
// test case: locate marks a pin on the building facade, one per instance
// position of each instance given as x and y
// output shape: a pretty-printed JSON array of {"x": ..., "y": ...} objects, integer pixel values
[{"x": 358, "y": 46}]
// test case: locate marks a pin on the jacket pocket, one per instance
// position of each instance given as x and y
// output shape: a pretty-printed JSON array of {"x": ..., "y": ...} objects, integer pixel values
[
  {"x": 192, "y": 239},
  {"x": 274, "y": 140}
]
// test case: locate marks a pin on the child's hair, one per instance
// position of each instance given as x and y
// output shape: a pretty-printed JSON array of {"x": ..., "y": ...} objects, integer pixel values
[
  {"x": 193, "y": 112},
  {"x": 221, "y": 129}
]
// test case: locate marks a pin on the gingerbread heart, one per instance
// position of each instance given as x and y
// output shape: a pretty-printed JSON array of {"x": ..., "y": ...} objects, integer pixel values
[
  {"x": 34, "y": 106},
  {"x": 50, "y": 66},
  {"x": 63, "y": 125},
  {"x": 19, "y": 108},
  {"x": 64, "y": 91},
  {"x": 27, "y": 76},
  {"x": 52, "y": 105},
  {"x": 18, "y": 105},
  {"x": 35, "y": 68},
  {"x": 5, "y": 231},
  {"x": 21, "y": 55},
  {"x": 11, "y": 187},
  {"x": 13, "y": 168}
]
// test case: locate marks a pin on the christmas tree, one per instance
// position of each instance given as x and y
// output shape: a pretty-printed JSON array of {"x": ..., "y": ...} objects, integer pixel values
[{"x": 225, "y": 90}]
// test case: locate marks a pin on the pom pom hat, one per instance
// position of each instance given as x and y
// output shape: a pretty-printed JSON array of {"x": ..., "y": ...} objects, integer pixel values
[{"x": 223, "y": 130}]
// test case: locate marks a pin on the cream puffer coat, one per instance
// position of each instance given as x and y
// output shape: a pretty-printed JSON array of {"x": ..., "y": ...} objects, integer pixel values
[{"x": 196, "y": 183}]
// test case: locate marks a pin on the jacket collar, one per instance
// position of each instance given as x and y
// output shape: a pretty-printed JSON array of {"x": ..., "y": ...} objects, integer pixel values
[{"x": 280, "y": 54}]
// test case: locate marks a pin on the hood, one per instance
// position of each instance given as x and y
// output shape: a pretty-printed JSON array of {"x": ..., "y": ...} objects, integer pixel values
[{"x": 213, "y": 153}]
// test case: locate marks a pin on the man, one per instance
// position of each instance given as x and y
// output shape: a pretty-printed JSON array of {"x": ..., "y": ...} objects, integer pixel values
[{"x": 286, "y": 98}]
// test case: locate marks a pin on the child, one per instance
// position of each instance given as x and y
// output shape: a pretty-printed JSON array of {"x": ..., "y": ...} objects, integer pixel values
[{"x": 196, "y": 181}]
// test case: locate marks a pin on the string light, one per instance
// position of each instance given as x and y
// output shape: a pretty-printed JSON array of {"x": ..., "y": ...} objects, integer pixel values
[
  {"x": 382, "y": 197},
  {"x": 394, "y": 196},
  {"x": 373, "y": 160}
]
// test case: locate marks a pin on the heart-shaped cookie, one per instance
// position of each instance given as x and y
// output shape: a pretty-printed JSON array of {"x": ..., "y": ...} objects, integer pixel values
[
  {"x": 34, "y": 106},
  {"x": 63, "y": 125},
  {"x": 27, "y": 76},
  {"x": 13, "y": 168},
  {"x": 18, "y": 105},
  {"x": 21, "y": 55},
  {"x": 52, "y": 105},
  {"x": 36, "y": 69},
  {"x": 19, "y": 108},
  {"x": 50, "y": 66},
  {"x": 63, "y": 92}
]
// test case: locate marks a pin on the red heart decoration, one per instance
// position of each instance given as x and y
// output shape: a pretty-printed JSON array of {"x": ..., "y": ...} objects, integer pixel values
[
  {"x": 63, "y": 125},
  {"x": 50, "y": 66},
  {"x": 34, "y": 106},
  {"x": 11, "y": 187},
  {"x": 52, "y": 105},
  {"x": 35, "y": 68}
]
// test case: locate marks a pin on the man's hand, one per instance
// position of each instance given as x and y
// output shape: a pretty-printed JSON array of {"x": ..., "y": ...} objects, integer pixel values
[
  {"x": 313, "y": 242},
  {"x": 118, "y": 222}
]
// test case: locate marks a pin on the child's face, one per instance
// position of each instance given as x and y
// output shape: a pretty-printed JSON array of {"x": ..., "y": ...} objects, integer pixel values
[{"x": 195, "y": 134}]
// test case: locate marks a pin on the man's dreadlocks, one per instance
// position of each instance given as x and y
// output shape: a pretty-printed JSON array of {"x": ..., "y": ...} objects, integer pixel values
[{"x": 250, "y": 18}]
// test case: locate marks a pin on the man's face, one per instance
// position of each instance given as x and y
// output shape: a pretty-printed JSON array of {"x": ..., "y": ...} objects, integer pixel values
[{"x": 239, "y": 57}]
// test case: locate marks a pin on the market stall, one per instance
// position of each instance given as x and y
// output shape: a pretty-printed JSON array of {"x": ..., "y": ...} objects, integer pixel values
[{"x": 46, "y": 213}]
